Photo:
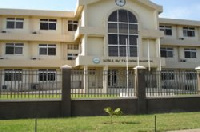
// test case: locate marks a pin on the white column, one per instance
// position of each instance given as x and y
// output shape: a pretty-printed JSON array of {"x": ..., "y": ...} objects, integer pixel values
[
  {"x": 105, "y": 79},
  {"x": 85, "y": 79}
]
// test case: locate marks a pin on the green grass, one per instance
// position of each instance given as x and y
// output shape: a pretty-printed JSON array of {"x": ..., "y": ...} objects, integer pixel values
[{"x": 140, "y": 123}]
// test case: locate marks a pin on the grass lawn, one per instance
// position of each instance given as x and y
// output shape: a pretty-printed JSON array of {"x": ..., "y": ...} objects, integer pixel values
[{"x": 138, "y": 123}]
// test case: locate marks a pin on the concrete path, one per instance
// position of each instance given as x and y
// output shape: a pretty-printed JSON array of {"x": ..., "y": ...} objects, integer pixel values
[{"x": 188, "y": 130}]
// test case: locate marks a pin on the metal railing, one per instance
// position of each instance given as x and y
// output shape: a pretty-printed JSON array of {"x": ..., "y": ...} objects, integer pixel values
[
  {"x": 100, "y": 83},
  {"x": 171, "y": 83},
  {"x": 30, "y": 84}
]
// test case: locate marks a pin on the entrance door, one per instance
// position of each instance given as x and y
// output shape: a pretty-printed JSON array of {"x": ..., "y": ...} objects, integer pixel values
[{"x": 112, "y": 78}]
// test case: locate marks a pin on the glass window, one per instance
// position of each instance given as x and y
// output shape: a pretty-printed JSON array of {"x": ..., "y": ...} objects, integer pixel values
[
  {"x": 14, "y": 48},
  {"x": 72, "y": 47},
  {"x": 15, "y": 23},
  {"x": 167, "y": 30},
  {"x": 13, "y": 75},
  {"x": 190, "y": 53},
  {"x": 71, "y": 56},
  {"x": 191, "y": 75},
  {"x": 47, "y": 75},
  {"x": 122, "y": 28},
  {"x": 166, "y": 52},
  {"x": 72, "y": 25},
  {"x": 48, "y": 24},
  {"x": 189, "y": 32},
  {"x": 47, "y": 49},
  {"x": 167, "y": 75}
]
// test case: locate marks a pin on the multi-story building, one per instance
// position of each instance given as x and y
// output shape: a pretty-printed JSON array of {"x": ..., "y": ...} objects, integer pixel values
[{"x": 99, "y": 34}]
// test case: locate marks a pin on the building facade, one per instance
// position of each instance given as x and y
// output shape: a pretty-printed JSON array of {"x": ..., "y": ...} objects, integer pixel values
[{"x": 99, "y": 34}]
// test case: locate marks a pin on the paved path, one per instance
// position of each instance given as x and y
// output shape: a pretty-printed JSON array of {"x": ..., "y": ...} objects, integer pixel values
[{"x": 188, "y": 130}]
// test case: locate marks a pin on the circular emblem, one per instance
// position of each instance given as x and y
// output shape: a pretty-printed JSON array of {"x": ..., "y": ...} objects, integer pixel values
[
  {"x": 96, "y": 60},
  {"x": 120, "y": 3}
]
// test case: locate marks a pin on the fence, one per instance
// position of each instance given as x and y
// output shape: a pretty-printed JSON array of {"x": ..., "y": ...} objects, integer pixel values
[
  {"x": 30, "y": 84},
  {"x": 99, "y": 83},
  {"x": 171, "y": 83}
]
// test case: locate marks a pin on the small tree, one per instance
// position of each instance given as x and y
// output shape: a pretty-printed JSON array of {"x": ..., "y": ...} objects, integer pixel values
[{"x": 111, "y": 113}]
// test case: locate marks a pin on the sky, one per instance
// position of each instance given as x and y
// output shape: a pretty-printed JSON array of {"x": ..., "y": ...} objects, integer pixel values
[{"x": 175, "y": 9}]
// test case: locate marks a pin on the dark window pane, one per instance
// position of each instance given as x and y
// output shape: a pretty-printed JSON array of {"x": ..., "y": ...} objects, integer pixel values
[
  {"x": 123, "y": 28},
  {"x": 113, "y": 17},
  {"x": 8, "y": 77},
  {"x": 112, "y": 27},
  {"x": 168, "y": 32},
  {"x": 113, "y": 51},
  {"x": 112, "y": 39},
  {"x": 131, "y": 17},
  {"x": 133, "y": 40},
  {"x": 133, "y": 51},
  {"x": 51, "y": 77},
  {"x": 9, "y": 49},
  {"x": 19, "y": 25},
  {"x": 123, "y": 51},
  {"x": 122, "y": 39},
  {"x": 52, "y": 26},
  {"x": 163, "y": 53},
  {"x": 10, "y": 25},
  {"x": 17, "y": 76},
  {"x": 44, "y": 26},
  {"x": 51, "y": 51},
  {"x": 42, "y": 77},
  {"x": 43, "y": 51},
  {"x": 123, "y": 16},
  {"x": 133, "y": 28},
  {"x": 18, "y": 50},
  {"x": 70, "y": 27},
  {"x": 187, "y": 54}
]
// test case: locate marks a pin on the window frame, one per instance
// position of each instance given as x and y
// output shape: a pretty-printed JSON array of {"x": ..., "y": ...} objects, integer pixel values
[
  {"x": 44, "y": 75},
  {"x": 71, "y": 56},
  {"x": 189, "y": 31},
  {"x": 72, "y": 25},
  {"x": 166, "y": 29},
  {"x": 192, "y": 52},
  {"x": 123, "y": 29},
  {"x": 15, "y": 21},
  {"x": 11, "y": 75},
  {"x": 48, "y": 23},
  {"x": 47, "y": 47},
  {"x": 14, "y": 46},
  {"x": 168, "y": 51}
]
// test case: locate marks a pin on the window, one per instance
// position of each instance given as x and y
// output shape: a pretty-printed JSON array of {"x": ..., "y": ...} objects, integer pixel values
[
  {"x": 13, "y": 75},
  {"x": 72, "y": 47},
  {"x": 166, "y": 52},
  {"x": 112, "y": 77},
  {"x": 167, "y": 75},
  {"x": 48, "y": 24},
  {"x": 72, "y": 25},
  {"x": 71, "y": 56},
  {"x": 47, "y": 75},
  {"x": 189, "y": 32},
  {"x": 47, "y": 49},
  {"x": 191, "y": 75},
  {"x": 122, "y": 26},
  {"x": 190, "y": 53},
  {"x": 14, "y": 48},
  {"x": 167, "y": 30},
  {"x": 15, "y": 23}
]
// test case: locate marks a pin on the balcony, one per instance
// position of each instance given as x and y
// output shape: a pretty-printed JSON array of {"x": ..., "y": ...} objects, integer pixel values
[{"x": 34, "y": 36}]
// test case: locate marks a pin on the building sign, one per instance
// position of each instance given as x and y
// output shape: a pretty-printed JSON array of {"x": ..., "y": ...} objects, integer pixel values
[{"x": 124, "y": 60}]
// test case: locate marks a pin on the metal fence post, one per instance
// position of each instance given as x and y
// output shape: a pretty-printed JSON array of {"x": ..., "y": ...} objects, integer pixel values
[
  {"x": 66, "y": 91},
  {"x": 140, "y": 89}
]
